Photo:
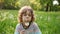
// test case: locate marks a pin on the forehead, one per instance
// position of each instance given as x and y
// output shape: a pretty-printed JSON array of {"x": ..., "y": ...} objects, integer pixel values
[{"x": 27, "y": 11}]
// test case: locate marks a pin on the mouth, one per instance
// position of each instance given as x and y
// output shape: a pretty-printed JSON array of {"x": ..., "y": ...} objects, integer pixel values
[{"x": 27, "y": 19}]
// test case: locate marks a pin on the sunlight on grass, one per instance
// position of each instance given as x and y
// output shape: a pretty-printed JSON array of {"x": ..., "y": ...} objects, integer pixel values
[{"x": 48, "y": 22}]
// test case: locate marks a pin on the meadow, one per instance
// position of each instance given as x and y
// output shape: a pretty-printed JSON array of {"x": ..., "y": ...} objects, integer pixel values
[{"x": 48, "y": 22}]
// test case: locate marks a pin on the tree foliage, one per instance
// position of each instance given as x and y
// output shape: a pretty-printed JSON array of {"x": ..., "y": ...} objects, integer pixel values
[{"x": 35, "y": 4}]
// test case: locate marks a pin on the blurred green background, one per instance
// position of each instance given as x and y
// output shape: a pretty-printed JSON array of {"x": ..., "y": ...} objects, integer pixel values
[
  {"x": 48, "y": 22},
  {"x": 43, "y": 5},
  {"x": 47, "y": 15}
]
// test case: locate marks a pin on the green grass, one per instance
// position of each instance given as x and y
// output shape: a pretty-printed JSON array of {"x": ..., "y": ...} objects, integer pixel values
[{"x": 48, "y": 22}]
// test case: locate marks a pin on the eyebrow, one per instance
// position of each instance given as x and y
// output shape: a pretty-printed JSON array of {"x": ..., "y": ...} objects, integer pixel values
[{"x": 28, "y": 14}]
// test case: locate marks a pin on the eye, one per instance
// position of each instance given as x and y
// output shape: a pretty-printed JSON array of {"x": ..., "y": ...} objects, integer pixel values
[
  {"x": 24, "y": 14},
  {"x": 29, "y": 14}
]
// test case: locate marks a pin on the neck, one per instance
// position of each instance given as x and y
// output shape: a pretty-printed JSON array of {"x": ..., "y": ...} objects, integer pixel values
[{"x": 24, "y": 26}]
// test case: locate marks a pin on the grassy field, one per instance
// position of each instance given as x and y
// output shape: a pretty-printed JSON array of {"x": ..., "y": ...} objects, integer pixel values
[{"x": 48, "y": 22}]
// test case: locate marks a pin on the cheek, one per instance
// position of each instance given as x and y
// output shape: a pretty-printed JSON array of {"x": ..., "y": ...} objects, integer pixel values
[
  {"x": 23, "y": 18},
  {"x": 30, "y": 18}
]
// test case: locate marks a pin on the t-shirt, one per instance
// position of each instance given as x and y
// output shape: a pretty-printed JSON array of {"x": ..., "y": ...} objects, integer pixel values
[{"x": 33, "y": 29}]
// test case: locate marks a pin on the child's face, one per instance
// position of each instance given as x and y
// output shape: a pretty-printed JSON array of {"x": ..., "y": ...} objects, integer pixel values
[{"x": 26, "y": 17}]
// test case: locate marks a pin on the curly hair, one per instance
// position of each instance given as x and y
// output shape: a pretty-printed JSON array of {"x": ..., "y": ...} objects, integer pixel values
[{"x": 24, "y": 10}]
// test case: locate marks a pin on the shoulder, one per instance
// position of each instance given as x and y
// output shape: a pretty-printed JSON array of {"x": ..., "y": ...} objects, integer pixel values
[
  {"x": 35, "y": 26},
  {"x": 34, "y": 23},
  {"x": 18, "y": 25}
]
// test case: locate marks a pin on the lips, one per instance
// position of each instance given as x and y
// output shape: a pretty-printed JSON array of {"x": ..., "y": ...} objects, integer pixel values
[{"x": 27, "y": 19}]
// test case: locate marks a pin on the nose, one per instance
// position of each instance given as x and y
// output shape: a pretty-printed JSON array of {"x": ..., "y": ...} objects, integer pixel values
[{"x": 27, "y": 16}]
